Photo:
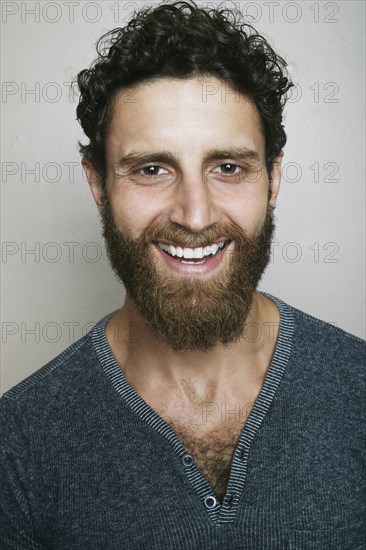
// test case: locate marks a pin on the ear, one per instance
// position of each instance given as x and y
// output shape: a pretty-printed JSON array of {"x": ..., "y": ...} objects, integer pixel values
[
  {"x": 276, "y": 178},
  {"x": 94, "y": 182}
]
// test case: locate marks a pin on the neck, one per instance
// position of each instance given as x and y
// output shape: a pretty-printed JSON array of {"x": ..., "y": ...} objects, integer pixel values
[{"x": 150, "y": 366}]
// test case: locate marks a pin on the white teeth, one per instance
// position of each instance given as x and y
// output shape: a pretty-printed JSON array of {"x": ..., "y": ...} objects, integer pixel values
[
  {"x": 189, "y": 253},
  {"x": 172, "y": 250},
  {"x": 195, "y": 263},
  {"x": 211, "y": 249}
]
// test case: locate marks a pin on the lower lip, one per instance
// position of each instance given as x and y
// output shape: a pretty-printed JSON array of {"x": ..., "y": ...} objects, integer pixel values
[{"x": 195, "y": 269}]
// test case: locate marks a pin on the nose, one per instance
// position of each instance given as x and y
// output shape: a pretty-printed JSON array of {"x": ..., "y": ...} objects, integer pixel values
[{"x": 193, "y": 204}]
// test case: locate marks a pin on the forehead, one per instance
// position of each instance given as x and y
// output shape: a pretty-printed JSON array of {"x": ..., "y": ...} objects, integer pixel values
[{"x": 190, "y": 114}]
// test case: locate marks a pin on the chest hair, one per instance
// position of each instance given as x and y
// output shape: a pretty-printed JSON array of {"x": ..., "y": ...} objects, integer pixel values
[{"x": 212, "y": 451}]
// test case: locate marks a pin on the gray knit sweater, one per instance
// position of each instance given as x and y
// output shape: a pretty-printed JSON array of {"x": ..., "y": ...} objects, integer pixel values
[{"x": 86, "y": 464}]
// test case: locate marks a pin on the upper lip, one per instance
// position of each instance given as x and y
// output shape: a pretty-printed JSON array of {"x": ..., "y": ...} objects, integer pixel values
[{"x": 164, "y": 241}]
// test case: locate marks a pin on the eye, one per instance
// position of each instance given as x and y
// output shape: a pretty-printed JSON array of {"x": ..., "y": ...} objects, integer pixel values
[
  {"x": 149, "y": 171},
  {"x": 230, "y": 169},
  {"x": 229, "y": 166}
]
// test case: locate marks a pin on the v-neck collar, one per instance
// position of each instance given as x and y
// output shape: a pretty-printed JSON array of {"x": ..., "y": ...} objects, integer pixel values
[{"x": 218, "y": 513}]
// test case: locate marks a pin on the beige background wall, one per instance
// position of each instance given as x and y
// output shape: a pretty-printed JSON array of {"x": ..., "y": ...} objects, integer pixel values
[{"x": 55, "y": 279}]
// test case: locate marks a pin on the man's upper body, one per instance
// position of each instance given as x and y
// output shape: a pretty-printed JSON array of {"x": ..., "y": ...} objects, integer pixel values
[
  {"x": 87, "y": 463},
  {"x": 202, "y": 414}
]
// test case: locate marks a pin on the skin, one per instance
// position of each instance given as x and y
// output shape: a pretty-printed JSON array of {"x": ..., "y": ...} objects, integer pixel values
[{"x": 170, "y": 114}]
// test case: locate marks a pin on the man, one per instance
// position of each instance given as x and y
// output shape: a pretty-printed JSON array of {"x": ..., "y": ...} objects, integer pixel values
[{"x": 203, "y": 414}]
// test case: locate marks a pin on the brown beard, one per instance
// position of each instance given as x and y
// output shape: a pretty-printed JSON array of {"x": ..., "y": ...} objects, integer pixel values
[{"x": 188, "y": 313}]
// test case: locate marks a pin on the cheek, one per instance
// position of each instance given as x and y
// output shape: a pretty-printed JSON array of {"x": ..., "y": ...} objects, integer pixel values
[
  {"x": 133, "y": 212},
  {"x": 249, "y": 211}
]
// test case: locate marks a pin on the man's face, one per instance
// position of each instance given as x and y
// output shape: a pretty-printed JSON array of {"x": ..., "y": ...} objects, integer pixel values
[{"x": 191, "y": 198}]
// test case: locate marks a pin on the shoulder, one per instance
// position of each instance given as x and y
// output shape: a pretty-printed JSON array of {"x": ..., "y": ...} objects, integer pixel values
[
  {"x": 313, "y": 332},
  {"x": 321, "y": 351},
  {"x": 325, "y": 375},
  {"x": 331, "y": 354},
  {"x": 59, "y": 389},
  {"x": 57, "y": 371},
  {"x": 331, "y": 340}
]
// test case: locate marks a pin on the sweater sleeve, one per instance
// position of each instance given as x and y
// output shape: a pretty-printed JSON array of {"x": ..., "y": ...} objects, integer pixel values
[{"x": 17, "y": 530}]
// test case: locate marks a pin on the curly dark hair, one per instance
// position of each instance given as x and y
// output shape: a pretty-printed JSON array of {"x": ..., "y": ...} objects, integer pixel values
[{"x": 182, "y": 40}]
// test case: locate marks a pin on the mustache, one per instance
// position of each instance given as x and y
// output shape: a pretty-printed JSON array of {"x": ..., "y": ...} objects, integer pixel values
[{"x": 180, "y": 236}]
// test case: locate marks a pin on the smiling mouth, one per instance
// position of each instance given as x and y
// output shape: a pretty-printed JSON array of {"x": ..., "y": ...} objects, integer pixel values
[{"x": 188, "y": 255}]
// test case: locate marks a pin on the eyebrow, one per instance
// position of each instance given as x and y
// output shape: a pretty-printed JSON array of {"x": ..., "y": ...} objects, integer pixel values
[{"x": 141, "y": 157}]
